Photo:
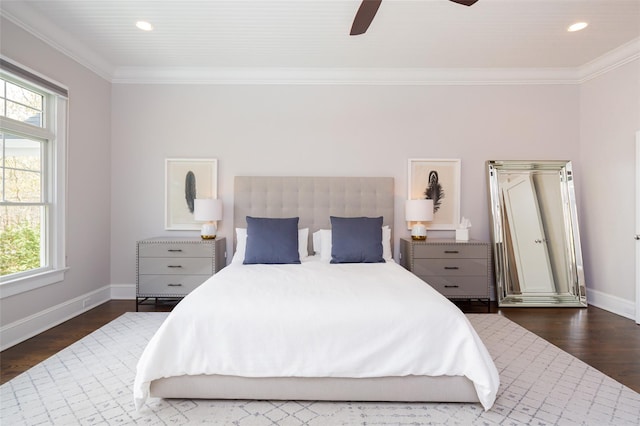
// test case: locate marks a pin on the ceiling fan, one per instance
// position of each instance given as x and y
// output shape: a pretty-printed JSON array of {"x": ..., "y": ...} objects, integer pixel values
[{"x": 368, "y": 9}]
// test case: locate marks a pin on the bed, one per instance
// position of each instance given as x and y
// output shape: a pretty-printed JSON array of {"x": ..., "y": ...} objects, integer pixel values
[{"x": 316, "y": 330}]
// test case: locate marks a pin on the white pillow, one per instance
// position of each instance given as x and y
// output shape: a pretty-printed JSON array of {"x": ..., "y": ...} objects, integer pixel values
[
  {"x": 325, "y": 244},
  {"x": 241, "y": 245},
  {"x": 386, "y": 243},
  {"x": 317, "y": 242},
  {"x": 322, "y": 243},
  {"x": 303, "y": 242}
]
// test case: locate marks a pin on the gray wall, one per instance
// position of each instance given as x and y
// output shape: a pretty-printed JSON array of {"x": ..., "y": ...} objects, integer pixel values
[
  {"x": 323, "y": 130},
  {"x": 609, "y": 118},
  {"x": 89, "y": 175}
]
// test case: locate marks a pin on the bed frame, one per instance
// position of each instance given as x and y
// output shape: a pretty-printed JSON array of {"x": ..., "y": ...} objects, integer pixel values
[{"x": 313, "y": 200}]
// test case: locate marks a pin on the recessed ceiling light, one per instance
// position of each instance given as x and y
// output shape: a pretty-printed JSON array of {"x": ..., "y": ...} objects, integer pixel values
[
  {"x": 144, "y": 25},
  {"x": 577, "y": 26}
]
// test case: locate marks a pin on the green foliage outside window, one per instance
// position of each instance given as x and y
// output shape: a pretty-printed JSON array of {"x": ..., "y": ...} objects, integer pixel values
[
  {"x": 20, "y": 248},
  {"x": 27, "y": 241}
]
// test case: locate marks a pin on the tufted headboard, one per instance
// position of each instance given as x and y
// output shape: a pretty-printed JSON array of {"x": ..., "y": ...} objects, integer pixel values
[{"x": 312, "y": 199}]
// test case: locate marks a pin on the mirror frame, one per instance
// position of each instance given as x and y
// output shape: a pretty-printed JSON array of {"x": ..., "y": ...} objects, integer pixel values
[{"x": 576, "y": 295}]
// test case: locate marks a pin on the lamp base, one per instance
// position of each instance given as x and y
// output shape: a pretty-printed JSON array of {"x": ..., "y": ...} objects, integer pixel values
[
  {"x": 208, "y": 231},
  {"x": 419, "y": 232}
]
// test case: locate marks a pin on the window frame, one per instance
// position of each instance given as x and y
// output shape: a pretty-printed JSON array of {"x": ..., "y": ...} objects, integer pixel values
[{"x": 54, "y": 132}]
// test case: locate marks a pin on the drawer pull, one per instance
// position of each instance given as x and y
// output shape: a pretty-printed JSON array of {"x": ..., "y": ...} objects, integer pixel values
[
  {"x": 174, "y": 266},
  {"x": 175, "y": 250},
  {"x": 451, "y": 267},
  {"x": 451, "y": 251},
  {"x": 174, "y": 285},
  {"x": 451, "y": 286}
]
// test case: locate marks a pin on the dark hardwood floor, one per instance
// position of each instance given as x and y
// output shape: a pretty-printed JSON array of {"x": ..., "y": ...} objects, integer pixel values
[
  {"x": 25, "y": 355},
  {"x": 606, "y": 341}
]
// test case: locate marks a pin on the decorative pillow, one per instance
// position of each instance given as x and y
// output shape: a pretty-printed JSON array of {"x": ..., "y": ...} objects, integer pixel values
[
  {"x": 356, "y": 239},
  {"x": 322, "y": 243},
  {"x": 241, "y": 244},
  {"x": 272, "y": 241}
]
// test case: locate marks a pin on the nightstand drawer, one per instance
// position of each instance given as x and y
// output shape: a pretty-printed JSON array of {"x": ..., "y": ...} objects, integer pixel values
[
  {"x": 464, "y": 286},
  {"x": 456, "y": 269},
  {"x": 178, "y": 285},
  {"x": 173, "y": 266},
  {"x": 175, "y": 250},
  {"x": 450, "y": 267},
  {"x": 445, "y": 251}
]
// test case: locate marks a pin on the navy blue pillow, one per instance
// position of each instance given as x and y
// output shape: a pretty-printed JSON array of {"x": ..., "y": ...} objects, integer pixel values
[
  {"x": 356, "y": 240},
  {"x": 271, "y": 241}
]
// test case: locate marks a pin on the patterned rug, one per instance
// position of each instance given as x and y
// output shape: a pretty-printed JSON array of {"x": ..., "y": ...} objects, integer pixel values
[{"x": 90, "y": 383}]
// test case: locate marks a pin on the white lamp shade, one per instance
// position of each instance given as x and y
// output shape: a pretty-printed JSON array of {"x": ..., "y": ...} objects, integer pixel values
[
  {"x": 419, "y": 210},
  {"x": 207, "y": 209}
]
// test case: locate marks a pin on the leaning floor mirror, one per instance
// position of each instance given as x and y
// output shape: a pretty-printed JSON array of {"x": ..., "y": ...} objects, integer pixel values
[{"x": 536, "y": 242}]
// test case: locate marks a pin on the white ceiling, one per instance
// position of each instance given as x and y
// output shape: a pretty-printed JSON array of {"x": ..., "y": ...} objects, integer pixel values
[{"x": 312, "y": 34}]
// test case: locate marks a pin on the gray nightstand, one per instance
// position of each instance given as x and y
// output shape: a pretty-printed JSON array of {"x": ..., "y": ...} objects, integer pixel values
[
  {"x": 457, "y": 269},
  {"x": 173, "y": 267}
]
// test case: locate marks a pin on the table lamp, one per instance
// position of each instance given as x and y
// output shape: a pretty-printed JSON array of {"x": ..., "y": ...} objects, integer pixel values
[
  {"x": 207, "y": 210},
  {"x": 419, "y": 211}
]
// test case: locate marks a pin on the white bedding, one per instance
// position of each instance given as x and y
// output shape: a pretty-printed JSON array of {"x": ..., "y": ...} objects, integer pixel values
[{"x": 316, "y": 320}]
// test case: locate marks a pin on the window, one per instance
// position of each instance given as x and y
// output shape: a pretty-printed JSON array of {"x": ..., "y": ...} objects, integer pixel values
[{"x": 32, "y": 180}]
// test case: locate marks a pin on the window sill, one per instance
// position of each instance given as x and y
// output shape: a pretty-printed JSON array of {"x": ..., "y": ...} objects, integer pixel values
[{"x": 31, "y": 282}]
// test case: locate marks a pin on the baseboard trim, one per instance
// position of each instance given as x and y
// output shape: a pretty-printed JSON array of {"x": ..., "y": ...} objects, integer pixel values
[
  {"x": 26, "y": 328},
  {"x": 614, "y": 304}
]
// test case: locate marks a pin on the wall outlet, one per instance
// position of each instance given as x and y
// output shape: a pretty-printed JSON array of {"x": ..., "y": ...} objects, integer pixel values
[{"x": 86, "y": 302}]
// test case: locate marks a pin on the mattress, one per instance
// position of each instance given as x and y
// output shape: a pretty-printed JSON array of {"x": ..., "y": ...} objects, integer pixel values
[{"x": 316, "y": 320}]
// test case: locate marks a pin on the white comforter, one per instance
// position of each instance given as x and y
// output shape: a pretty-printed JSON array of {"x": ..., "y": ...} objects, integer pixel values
[{"x": 316, "y": 320}]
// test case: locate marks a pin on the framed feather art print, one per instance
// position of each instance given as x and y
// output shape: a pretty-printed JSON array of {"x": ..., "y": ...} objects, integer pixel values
[
  {"x": 438, "y": 180},
  {"x": 187, "y": 179}
]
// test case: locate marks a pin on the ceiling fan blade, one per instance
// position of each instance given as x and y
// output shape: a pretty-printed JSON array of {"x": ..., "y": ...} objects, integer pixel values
[
  {"x": 364, "y": 16},
  {"x": 465, "y": 2}
]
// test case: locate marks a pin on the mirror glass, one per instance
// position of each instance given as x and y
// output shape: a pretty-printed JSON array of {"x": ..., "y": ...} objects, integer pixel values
[{"x": 536, "y": 242}]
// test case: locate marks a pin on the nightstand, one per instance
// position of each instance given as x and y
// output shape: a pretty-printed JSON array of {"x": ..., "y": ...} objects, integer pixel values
[
  {"x": 460, "y": 270},
  {"x": 170, "y": 268}
]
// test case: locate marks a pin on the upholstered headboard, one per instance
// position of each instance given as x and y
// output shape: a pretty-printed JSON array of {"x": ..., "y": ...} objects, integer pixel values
[{"x": 312, "y": 199}]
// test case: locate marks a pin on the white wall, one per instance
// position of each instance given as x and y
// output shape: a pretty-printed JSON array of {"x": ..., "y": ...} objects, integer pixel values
[
  {"x": 609, "y": 118},
  {"x": 88, "y": 216},
  {"x": 322, "y": 130}
]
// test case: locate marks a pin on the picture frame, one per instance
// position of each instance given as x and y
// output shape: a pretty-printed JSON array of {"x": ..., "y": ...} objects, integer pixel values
[
  {"x": 441, "y": 178},
  {"x": 185, "y": 180}
]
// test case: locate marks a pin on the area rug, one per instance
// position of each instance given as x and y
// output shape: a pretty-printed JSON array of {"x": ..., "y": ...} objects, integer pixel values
[{"x": 90, "y": 383}]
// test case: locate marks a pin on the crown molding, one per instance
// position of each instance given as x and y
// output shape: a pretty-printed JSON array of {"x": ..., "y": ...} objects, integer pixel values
[
  {"x": 611, "y": 60},
  {"x": 24, "y": 16},
  {"x": 345, "y": 76}
]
